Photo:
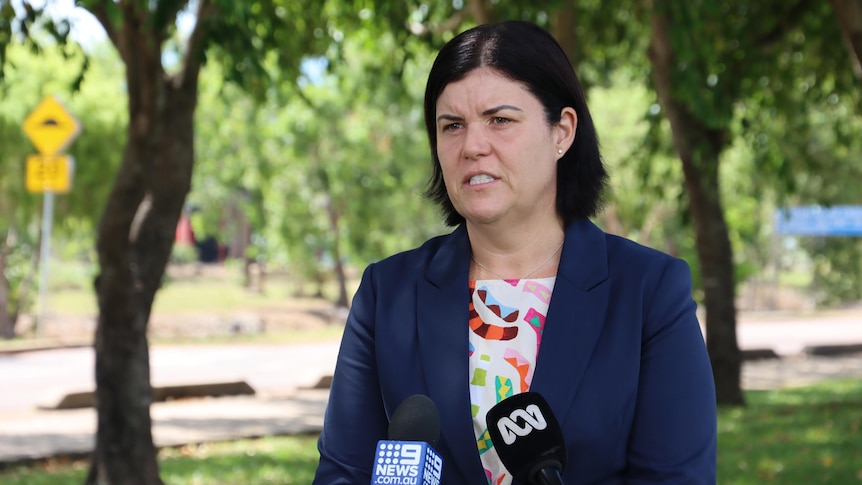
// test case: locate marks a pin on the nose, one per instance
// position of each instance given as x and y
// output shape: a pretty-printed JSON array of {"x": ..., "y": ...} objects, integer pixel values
[{"x": 475, "y": 143}]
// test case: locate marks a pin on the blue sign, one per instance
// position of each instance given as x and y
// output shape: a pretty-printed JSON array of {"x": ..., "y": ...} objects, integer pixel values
[{"x": 839, "y": 220}]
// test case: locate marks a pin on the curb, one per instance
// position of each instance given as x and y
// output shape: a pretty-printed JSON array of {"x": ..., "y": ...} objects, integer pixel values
[
  {"x": 832, "y": 350},
  {"x": 44, "y": 347},
  {"x": 86, "y": 399}
]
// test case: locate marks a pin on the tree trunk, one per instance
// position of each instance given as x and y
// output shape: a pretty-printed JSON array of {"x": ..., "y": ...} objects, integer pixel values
[
  {"x": 699, "y": 148},
  {"x": 7, "y": 329},
  {"x": 482, "y": 11},
  {"x": 849, "y": 14},
  {"x": 135, "y": 237},
  {"x": 340, "y": 274},
  {"x": 563, "y": 25}
]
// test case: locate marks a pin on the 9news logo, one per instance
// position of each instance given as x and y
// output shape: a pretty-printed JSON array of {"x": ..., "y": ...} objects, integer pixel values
[{"x": 407, "y": 463}]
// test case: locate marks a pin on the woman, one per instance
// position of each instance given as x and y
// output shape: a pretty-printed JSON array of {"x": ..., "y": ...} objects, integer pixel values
[{"x": 525, "y": 294}]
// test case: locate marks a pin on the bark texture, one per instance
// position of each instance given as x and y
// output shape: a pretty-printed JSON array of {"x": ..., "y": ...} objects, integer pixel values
[
  {"x": 849, "y": 15},
  {"x": 135, "y": 236},
  {"x": 7, "y": 327},
  {"x": 699, "y": 148}
]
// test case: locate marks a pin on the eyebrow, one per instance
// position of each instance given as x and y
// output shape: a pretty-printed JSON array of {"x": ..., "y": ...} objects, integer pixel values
[{"x": 489, "y": 111}]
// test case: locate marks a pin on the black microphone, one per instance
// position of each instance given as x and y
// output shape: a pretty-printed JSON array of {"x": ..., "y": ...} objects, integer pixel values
[
  {"x": 408, "y": 456},
  {"x": 415, "y": 419},
  {"x": 528, "y": 439}
]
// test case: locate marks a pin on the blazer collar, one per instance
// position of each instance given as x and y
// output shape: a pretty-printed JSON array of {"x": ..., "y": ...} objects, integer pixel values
[
  {"x": 443, "y": 313},
  {"x": 572, "y": 328},
  {"x": 575, "y": 317}
]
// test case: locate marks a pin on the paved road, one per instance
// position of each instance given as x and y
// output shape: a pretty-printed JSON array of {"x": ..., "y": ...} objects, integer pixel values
[
  {"x": 42, "y": 378},
  {"x": 279, "y": 374},
  {"x": 791, "y": 334}
]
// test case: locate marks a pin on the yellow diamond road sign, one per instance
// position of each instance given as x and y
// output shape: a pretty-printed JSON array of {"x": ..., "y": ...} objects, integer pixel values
[
  {"x": 51, "y": 127},
  {"x": 49, "y": 173}
]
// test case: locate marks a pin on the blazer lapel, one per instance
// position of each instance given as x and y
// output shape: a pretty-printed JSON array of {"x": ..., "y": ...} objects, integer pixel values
[
  {"x": 443, "y": 344},
  {"x": 575, "y": 317}
]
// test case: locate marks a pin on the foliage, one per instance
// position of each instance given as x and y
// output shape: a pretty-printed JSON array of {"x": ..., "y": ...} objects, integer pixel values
[
  {"x": 329, "y": 147},
  {"x": 837, "y": 264},
  {"x": 98, "y": 106}
]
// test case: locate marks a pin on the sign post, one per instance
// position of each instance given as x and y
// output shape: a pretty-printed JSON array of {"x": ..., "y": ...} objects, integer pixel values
[{"x": 51, "y": 128}]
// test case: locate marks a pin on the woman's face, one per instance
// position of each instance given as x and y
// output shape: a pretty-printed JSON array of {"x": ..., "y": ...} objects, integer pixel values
[{"x": 497, "y": 152}]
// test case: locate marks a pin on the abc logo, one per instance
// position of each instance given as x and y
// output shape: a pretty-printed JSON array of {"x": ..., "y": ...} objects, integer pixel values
[{"x": 531, "y": 417}]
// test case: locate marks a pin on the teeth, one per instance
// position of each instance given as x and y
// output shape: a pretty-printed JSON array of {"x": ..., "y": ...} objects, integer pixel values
[{"x": 481, "y": 179}]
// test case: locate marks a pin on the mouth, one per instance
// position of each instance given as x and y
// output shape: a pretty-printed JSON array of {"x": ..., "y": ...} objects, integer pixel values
[{"x": 480, "y": 179}]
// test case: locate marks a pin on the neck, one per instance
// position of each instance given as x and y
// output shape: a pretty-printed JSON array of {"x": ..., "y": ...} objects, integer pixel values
[{"x": 513, "y": 254}]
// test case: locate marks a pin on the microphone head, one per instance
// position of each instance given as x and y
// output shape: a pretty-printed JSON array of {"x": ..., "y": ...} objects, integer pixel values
[
  {"x": 415, "y": 419},
  {"x": 526, "y": 436}
]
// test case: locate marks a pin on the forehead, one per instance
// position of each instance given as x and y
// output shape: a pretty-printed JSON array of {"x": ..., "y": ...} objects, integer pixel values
[{"x": 481, "y": 87}]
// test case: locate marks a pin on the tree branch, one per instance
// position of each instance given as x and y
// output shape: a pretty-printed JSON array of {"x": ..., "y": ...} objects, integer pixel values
[
  {"x": 450, "y": 24},
  {"x": 788, "y": 22},
  {"x": 849, "y": 16},
  {"x": 207, "y": 14},
  {"x": 100, "y": 11}
]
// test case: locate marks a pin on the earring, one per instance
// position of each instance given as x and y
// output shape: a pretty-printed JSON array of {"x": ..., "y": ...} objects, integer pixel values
[{"x": 559, "y": 151}]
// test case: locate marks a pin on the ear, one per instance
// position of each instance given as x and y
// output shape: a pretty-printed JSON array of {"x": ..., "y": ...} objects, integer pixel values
[{"x": 564, "y": 131}]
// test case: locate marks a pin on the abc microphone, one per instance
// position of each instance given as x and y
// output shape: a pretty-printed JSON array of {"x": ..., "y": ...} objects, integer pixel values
[
  {"x": 408, "y": 456},
  {"x": 528, "y": 439}
]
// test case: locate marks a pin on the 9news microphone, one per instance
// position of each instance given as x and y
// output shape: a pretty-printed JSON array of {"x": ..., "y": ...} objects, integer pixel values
[
  {"x": 528, "y": 439},
  {"x": 408, "y": 456}
]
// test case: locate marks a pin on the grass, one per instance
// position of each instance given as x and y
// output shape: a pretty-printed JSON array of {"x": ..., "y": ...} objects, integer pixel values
[
  {"x": 221, "y": 293},
  {"x": 208, "y": 293},
  {"x": 800, "y": 436},
  {"x": 287, "y": 460},
  {"x": 795, "y": 436}
]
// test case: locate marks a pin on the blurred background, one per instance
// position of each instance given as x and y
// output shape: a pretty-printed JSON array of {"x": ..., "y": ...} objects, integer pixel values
[{"x": 240, "y": 163}]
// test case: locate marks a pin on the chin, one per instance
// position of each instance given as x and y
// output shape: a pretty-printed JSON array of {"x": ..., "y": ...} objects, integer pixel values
[{"x": 481, "y": 218}]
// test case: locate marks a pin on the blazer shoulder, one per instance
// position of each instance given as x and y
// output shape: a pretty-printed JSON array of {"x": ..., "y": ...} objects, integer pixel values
[
  {"x": 413, "y": 261},
  {"x": 626, "y": 254},
  {"x": 627, "y": 258}
]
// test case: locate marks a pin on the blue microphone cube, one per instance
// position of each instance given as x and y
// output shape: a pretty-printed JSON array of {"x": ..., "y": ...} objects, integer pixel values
[{"x": 406, "y": 463}]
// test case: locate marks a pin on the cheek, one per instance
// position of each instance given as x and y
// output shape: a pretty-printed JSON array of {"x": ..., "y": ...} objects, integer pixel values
[
  {"x": 448, "y": 159},
  {"x": 446, "y": 150},
  {"x": 449, "y": 174}
]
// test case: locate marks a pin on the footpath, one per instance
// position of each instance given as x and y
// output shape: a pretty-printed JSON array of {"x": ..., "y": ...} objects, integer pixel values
[{"x": 285, "y": 386}]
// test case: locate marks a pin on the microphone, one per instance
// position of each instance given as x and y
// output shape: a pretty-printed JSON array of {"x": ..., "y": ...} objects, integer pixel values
[
  {"x": 528, "y": 439},
  {"x": 408, "y": 456}
]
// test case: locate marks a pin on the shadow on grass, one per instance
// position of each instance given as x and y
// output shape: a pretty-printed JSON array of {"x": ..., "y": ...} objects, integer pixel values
[
  {"x": 795, "y": 436},
  {"x": 270, "y": 460}
]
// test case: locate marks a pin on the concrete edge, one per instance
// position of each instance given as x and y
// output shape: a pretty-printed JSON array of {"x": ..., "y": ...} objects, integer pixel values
[
  {"x": 758, "y": 354},
  {"x": 325, "y": 382},
  {"x": 832, "y": 350},
  {"x": 43, "y": 347},
  {"x": 86, "y": 399}
]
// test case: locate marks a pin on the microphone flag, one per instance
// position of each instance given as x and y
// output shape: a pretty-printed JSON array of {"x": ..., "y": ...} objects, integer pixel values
[
  {"x": 406, "y": 463},
  {"x": 407, "y": 458},
  {"x": 527, "y": 438}
]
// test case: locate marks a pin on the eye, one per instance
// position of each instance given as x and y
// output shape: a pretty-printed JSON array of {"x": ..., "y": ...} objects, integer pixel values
[
  {"x": 499, "y": 120},
  {"x": 450, "y": 127}
]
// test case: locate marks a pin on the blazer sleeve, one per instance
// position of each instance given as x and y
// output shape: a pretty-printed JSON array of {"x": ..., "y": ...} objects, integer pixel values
[
  {"x": 673, "y": 436},
  {"x": 355, "y": 418}
]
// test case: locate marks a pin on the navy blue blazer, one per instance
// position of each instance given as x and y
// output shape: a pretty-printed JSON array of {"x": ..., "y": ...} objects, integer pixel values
[{"x": 622, "y": 364}]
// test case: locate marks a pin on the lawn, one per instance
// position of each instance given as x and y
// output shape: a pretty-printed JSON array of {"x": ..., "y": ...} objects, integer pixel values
[
  {"x": 797, "y": 436},
  {"x": 280, "y": 313},
  {"x": 802, "y": 436}
]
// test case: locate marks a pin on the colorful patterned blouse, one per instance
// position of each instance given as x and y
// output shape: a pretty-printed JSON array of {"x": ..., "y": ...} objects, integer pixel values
[{"x": 506, "y": 322}]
